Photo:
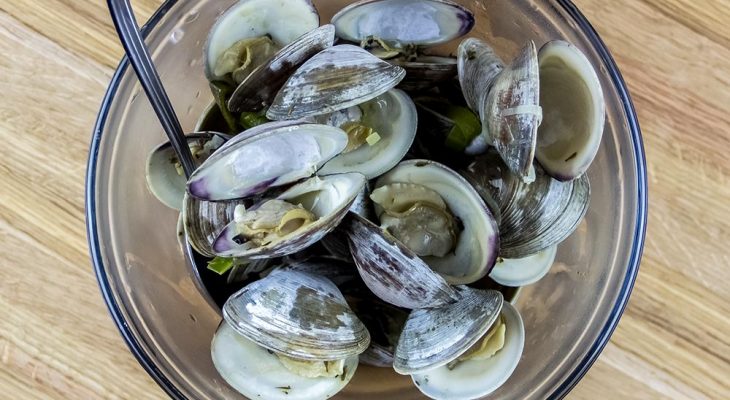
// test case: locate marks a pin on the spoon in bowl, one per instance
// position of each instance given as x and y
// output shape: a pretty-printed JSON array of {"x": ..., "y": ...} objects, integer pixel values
[{"x": 139, "y": 57}]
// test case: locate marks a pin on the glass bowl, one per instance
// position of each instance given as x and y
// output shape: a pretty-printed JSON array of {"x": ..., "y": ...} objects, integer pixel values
[{"x": 166, "y": 316}]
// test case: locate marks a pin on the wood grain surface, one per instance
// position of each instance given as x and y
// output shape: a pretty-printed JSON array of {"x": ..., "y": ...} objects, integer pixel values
[{"x": 57, "y": 339}]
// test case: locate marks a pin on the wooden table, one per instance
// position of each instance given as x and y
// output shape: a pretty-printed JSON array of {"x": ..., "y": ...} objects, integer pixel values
[{"x": 58, "y": 341}]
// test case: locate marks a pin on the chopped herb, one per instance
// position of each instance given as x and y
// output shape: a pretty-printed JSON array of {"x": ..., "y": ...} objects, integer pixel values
[
  {"x": 572, "y": 156},
  {"x": 220, "y": 265},
  {"x": 288, "y": 387}
]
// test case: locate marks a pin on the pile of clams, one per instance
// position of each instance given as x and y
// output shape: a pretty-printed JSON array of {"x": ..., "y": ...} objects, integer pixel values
[{"x": 362, "y": 190}]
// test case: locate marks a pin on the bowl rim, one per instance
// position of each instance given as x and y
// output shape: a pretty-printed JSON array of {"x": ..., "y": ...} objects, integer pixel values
[{"x": 147, "y": 361}]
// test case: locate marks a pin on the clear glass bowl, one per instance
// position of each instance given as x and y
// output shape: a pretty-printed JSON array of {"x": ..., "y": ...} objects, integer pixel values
[{"x": 167, "y": 318}]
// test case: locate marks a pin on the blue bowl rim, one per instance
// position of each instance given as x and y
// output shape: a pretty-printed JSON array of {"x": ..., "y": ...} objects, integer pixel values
[{"x": 147, "y": 361}]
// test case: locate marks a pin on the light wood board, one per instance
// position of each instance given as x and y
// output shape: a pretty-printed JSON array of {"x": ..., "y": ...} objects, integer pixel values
[{"x": 58, "y": 341}]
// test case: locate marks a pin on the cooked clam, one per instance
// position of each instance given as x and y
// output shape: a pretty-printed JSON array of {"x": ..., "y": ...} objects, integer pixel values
[
  {"x": 299, "y": 329},
  {"x": 512, "y": 111},
  {"x": 573, "y": 111},
  {"x": 298, "y": 314},
  {"x": 542, "y": 214},
  {"x": 478, "y": 65},
  {"x": 256, "y": 19},
  {"x": 418, "y": 195},
  {"x": 380, "y": 132},
  {"x": 483, "y": 368},
  {"x": 418, "y": 22},
  {"x": 292, "y": 221},
  {"x": 256, "y": 372},
  {"x": 165, "y": 178},
  {"x": 260, "y": 87},
  {"x": 432, "y": 338},
  {"x": 204, "y": 220},
  {"x": 392, "y": 271},
  {"x": 336, "y": 78},
  {"x": 266, "y": 156}
]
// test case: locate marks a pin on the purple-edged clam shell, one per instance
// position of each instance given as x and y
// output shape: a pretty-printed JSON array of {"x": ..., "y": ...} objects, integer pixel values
[
  {"x": 328, "y": 197},
  {"x": 419, "y": 22},
  {"x": 269, "y": 155},
  {"x": 393, "y": 272}
]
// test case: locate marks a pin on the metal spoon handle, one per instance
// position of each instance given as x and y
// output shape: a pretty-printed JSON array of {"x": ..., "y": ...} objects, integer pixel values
[{"x": 139, "y": 57}]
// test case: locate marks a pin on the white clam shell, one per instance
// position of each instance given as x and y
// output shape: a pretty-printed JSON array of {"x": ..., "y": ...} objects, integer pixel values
[
  {"x": 573, "y": 111},
  {"x": 393, "y": 116},
  {"x": 475, "y": 379},
  {"x": 434, "y": 337},
  {"x": 328, "y": 197},
  {"x": 422, "y": 22},
  {"x": 254, "y": 18},
  {"x": 269, "y": 155},
  {"x": 516, "y": 272},
  {"x": 337, "y": 78},
  {"x": 298, "y": 314},
  {"x": 477, "y": 245},
  {"x": 256, "y": 373},
  {"x": 163, "y": 179}
]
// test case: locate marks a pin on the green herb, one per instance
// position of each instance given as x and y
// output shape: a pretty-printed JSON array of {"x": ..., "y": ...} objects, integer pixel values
[{"x": 220, "y": 265}]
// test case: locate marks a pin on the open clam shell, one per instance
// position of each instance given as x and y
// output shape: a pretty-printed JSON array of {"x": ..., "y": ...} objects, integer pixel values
[
  {"x": 419, "y": 22},
  {"x": 517, "y": 272},
  {"x": 327, "y": 197},
  {"x": 269, "y": 155},
  {"x": 255, "y": 18},
  {"x": 337, "y": 78},
  {"x": 164, "y": 180},
  {"x": 477, "y": 65},
  {"x": 473, "y": 379},
  {"x": 299, "y": 315},
  {"x": 573, "y": 111},
  {"x": 257, "y": 373},
  {"x": 204, "y": 220},
  {"x": 262, "y": 85},
  {"x": 542, "y": 214},
  {"x": 393, "y": 116},
  {"x": 512, "y": 111},
  {"x": 393, "y": 272},
  {"x": 478, "y": 242},
  {"x": 434, "y": 337}
]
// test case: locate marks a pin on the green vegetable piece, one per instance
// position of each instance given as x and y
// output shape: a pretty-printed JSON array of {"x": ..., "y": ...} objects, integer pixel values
[
  {"x": 250, "y": 119},
  {"x": 220, "y": 265},
  {"x": 466, "y": 127}
]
